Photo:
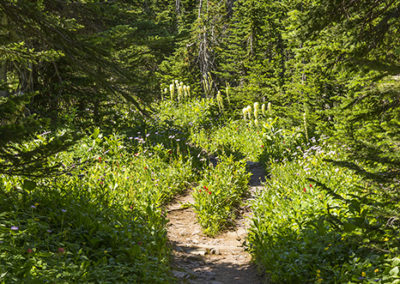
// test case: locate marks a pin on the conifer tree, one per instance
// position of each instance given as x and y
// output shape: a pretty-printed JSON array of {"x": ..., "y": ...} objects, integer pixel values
[
  {"x": 64, "y": 64},
  {"x": 254, "y": 57},
  {"x": 195, "y": 58},
  {"x": 355, "y": 48}
]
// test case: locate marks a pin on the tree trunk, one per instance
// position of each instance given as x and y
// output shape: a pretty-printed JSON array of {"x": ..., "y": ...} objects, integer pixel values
[
  {"x": 178, "y": 7},
  {"x": 3, "y": 65}
]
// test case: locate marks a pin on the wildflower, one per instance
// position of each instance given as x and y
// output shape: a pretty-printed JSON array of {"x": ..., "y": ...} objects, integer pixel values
[
  {"x": 310, "y": 185},
  {"x": 244, "y": 113},
  {"x": 262, "y": 146},
  {"x": 269, "y": 107},
  {"x": 363, "y": 274},
  {"x": 386, "y": 239},
  {"x": 188, "y": 91},
  {"x": 256, "y": 106},
  {"x": 61, "y": 250},
  {"x": 209, "y": 192},
  {"x": 33, "y": 206},
  {"x": 99, "y": 159},
  {"x": 200, "y": 190},
  {"x": 14, "y": 228},
  {"x": 376, "y": 270},
  {"x": 304, "y": 189},
  {"x": 145, "y": 168},
  {"x": 172, "y": 90},
  {"x": 29, "y": 250},
  {"x": 248, "y": 111},
  {"x": 63, "y": 210},
  {"x": 49, "y": 231}
]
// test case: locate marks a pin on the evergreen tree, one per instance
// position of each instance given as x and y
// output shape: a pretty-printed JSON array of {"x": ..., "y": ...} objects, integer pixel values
[
  {"x": 195, "y": 58},
  {"x": 253, "y": 58},
  {"x": 355, "y": 45},
  {"x": 69, "y": 63}
]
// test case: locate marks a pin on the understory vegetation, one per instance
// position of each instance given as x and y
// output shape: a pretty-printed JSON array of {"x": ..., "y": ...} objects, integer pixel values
[{"x": 111, "y": 109}]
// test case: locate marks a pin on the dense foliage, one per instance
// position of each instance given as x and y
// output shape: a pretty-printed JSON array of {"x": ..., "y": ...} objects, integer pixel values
[{"x": 109, "y": 109}]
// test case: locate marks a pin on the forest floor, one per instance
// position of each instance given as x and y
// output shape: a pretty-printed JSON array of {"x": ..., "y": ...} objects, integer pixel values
[{"x": 222, "y": 259}]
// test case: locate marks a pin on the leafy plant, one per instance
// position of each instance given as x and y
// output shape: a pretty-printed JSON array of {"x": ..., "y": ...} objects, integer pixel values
[
  {"x": 219, "y": 193},
  {"x": 313, "y": 220}
]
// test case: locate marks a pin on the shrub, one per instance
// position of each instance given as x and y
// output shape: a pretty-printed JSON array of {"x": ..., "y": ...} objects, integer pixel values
[
  {"x": 101, "y": 220},
  {"x": 318, "y": 223},
  {"x": 219, "y": 193}
]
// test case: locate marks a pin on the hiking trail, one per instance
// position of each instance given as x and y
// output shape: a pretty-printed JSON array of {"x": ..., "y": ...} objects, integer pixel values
[{"x": 222, "y": 259}]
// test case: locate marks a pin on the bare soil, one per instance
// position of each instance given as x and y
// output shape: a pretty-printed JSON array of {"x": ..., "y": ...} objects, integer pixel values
[{"x": 222, "y": 259}]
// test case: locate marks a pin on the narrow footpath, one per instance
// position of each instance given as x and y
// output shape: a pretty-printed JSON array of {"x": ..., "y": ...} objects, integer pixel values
[{"x": 223, "y": 259}]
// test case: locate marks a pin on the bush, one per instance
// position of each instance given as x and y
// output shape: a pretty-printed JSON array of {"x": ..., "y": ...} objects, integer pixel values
[
  {"x": 100, "y": 221},
  {"x": 315, "y": 222},
  {"x": 219, "y": 193},
  {"x": 263, "y": 142}
]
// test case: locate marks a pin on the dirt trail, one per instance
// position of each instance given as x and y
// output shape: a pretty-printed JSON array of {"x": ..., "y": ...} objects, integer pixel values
[{"x": 223, "y": 259}]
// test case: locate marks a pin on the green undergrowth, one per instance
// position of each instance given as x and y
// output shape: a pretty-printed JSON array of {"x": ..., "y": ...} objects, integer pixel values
[
  {"x": 232, "y": 143},
  {"x": 317, "y": 223},
  {"x": 235, "y": 137},
  {"x": 100, "y": 220},
  {"x": 191, "y": 115},
  {"x": 219, "y": 193},
  {"x": 263, "y": 142},
  {"x": 220, "y": 187}
]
